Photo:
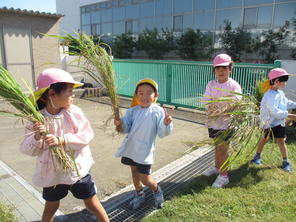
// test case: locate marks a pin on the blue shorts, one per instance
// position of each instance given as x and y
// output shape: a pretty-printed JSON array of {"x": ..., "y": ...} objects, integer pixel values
[
  {"x": 142, "y": 168},
  {"x": 82, "y": 189}
]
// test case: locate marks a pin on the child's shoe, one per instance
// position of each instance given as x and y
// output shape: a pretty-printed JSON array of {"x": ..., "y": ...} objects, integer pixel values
[
  {"x": 256, "y": 160},
  {"x": 211, "y": 171},
  {"x": 287, "y": 166},
  {"x": 158, "y": 198},
  {"x": 139, "y": 198},
  {"x": 220, "y": 181}
]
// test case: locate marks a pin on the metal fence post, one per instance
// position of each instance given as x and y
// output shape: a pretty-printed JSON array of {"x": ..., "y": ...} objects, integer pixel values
[{"x": 169, "y": 83}]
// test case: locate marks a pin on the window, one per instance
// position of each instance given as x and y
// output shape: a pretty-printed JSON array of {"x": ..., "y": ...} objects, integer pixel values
[
  {"x": 118, "y": 28},
  {"x": 201, "y": 5},
  {"x": 178, "y": 23},
  {"x": 264, "y": 16},
  {"x": 95, "y": 29},
  {"x": 85, "y": 18},
  {"x": 257, "y": 2},
  {"x": 96, "y": 17},
  {"x": 163, "y": 7},
  {"x": 229, "y": 3},
  {"x": 119, "y": 13},
  {"x": 106, "y": 28},
  {"x": 146, "y": 23},
  {"x": 86, "y": 29},
  {"x": 147, "y": 9},
  {"x": 163, "y": 23},
  {"x": 250, "y": 17},
  {"x": 107, "y": 15},
  {"x": 232, "y": 15},
  {"x": 284, "y": 12},
  {"x": 131, "y": 26},
  {"x": 204, "y": 21},
  {"x": 182, "y": 6},
  {"x": 132, "y": 11}
]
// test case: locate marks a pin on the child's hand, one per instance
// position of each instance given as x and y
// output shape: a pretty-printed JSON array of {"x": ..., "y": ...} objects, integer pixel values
[
  {"x": 51, "y": 140},
  {"x": 117, "y": 122},
  {"x": 167, "y": 117},
  {"x": 292, "y": 117},
  {"x": 39, "y": 130}
]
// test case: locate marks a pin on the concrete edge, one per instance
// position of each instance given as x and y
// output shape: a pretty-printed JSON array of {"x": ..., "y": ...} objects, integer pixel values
[
  {"x": 117, "y": 198},
  {"x": 26, "y": 185}
]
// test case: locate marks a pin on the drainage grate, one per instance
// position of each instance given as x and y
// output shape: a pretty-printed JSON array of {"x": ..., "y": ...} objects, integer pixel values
[{"x": 122, "y": 212}]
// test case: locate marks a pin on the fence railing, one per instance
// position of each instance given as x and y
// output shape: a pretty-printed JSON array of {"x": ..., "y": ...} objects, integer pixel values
[{"x": 182, "y": 83}]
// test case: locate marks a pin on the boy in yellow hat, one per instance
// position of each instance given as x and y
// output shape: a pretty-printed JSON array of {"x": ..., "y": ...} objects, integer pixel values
[{"x": 142, "y": 123}]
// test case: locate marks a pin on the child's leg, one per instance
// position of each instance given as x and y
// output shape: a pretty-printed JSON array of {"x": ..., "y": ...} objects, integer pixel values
[
  {"x": 49, "y": 210},
  {"x": 222, "y": 155},
  {"x": 136, "y": 178},
  {"x": 148, "y": 181},
  {"x": 261, "y": 144},
  {"x": 282, "y": 146},
  {"x": 94, "y": 205}
]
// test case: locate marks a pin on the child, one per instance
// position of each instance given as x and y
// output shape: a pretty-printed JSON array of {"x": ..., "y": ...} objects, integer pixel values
[
  {"x": 142, "y": 123},
  {"x": 67, "y": 126},
  {"x": 273, "y": 112},
  {"x": 222, "y": 68}
]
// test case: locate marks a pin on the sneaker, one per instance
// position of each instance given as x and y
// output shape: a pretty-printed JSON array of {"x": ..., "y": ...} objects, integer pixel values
[
  {"x": 286, "y": 166},
  {"x": 158, "y": 198},
  {"x": 256, "y": 160},
  {"x": 211, "y": 171},
  {"x": 220, "y": 181},
  {"x": 138, "y": 199}
]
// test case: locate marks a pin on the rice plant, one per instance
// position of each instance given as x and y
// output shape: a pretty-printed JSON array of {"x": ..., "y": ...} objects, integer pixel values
[
  {"x": 95, "y": 61},
  {"x": 24, "y": 108}
]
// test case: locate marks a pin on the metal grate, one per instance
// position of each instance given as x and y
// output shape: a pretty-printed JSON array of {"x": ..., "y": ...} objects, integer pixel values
[{"x": 170, "y": 185}]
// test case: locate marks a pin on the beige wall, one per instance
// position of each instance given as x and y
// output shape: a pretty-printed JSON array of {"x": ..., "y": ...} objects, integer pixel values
[{"x": 45, "y": 50}]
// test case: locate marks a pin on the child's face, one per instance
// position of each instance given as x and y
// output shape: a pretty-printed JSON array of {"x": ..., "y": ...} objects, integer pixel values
[
  {"x": 64, "y": 99},
  {"x": 222, "y": 73},
  {"x": 146, "y": 95},
  {"x": 279, "y": 85}
]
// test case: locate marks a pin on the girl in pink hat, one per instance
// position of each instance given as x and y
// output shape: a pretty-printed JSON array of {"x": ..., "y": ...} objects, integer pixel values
[
  {"x": 273, "y": 112},
  {"x": 66, "y": 126},
  {"x": 222, "y": 65}
]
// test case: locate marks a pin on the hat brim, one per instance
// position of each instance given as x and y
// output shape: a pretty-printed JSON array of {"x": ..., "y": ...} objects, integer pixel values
[
  {"x": 223, "y": 64},
  {"x": 38, "y": 93}
]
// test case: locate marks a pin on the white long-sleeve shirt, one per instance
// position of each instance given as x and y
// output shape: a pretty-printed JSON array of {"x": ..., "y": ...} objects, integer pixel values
[
  {"x": 142, "y": 125},
  {"x": 274, "y": 108}
]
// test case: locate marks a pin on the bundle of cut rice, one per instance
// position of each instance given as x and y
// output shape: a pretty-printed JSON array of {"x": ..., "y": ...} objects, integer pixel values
[{"x": 12, "y": 93}]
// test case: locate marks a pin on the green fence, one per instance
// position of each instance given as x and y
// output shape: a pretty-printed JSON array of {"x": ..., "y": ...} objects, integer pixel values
[{"x": 181, "y": 83}]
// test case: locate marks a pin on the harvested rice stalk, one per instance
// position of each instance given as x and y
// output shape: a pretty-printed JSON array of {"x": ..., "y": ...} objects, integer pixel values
[
  {"x": 12, "y": 93},
  {"x": 95, "y": 56}
]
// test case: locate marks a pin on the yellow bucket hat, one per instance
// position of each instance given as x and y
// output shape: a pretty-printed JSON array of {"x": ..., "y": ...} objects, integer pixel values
[{"x": 148, "y": 81}]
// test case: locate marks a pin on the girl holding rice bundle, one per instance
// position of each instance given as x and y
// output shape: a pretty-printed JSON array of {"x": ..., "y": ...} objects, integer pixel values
[
  {"x": 217, "y": 122},
  {"x": 273, "y": 112},
  {"x": 142, "y": 123},
  {"x": 67, "y": 127}
]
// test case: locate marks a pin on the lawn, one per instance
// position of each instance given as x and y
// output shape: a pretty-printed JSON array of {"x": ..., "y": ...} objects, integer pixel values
[
  {"x": 255, "y": 193},
  {"x": 6, "y": 213}
]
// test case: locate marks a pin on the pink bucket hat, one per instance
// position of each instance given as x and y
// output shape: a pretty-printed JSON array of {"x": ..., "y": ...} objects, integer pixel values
[
  {"x": 222, "y": 60},
  {"x": 276, "y": 73},
  {"x": 49, "y": 77}
]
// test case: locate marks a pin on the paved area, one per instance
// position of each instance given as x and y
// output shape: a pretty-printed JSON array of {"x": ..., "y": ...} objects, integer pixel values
[{"x": 109, "y": 175}]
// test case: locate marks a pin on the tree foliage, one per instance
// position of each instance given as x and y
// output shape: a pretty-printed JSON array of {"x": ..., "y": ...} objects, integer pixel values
[
  {"x": 193, "y": 44},
  {"x": 123, "y": 46},
  {"x": 154, "y": 43},
  {"x": 235, "y": 41},
  {"x": 268, "y": 43}
]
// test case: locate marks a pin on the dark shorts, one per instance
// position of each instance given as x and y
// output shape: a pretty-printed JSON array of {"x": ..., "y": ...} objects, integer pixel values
[
  {"x": 142, "y": 168},
  {"x": 82, "y": 189},
  {"x": 214, "y": 133},
  {"x": 277, "y": 132}
]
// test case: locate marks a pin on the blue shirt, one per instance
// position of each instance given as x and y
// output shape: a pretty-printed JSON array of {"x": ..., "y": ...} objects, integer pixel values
[
  {"x": 274, "y": 108},
  {"x": 142, "y": 125}
]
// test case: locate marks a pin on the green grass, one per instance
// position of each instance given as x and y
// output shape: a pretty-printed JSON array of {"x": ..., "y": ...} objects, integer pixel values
[
  {"x": 6, "y": 213},
  {"x": 255, "y": 193}
]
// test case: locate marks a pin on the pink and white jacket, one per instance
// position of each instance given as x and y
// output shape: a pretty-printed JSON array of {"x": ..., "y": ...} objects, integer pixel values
[{"x": 75, "y": 128}]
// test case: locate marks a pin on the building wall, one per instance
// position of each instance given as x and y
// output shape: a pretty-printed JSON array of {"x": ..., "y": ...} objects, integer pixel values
[
  {"x": 43, "y": 50},
  {"x": 71, "y": 11}
]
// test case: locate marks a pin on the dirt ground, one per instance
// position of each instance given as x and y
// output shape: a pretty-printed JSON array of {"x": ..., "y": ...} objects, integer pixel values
[{"x": 108, "y": 173}]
